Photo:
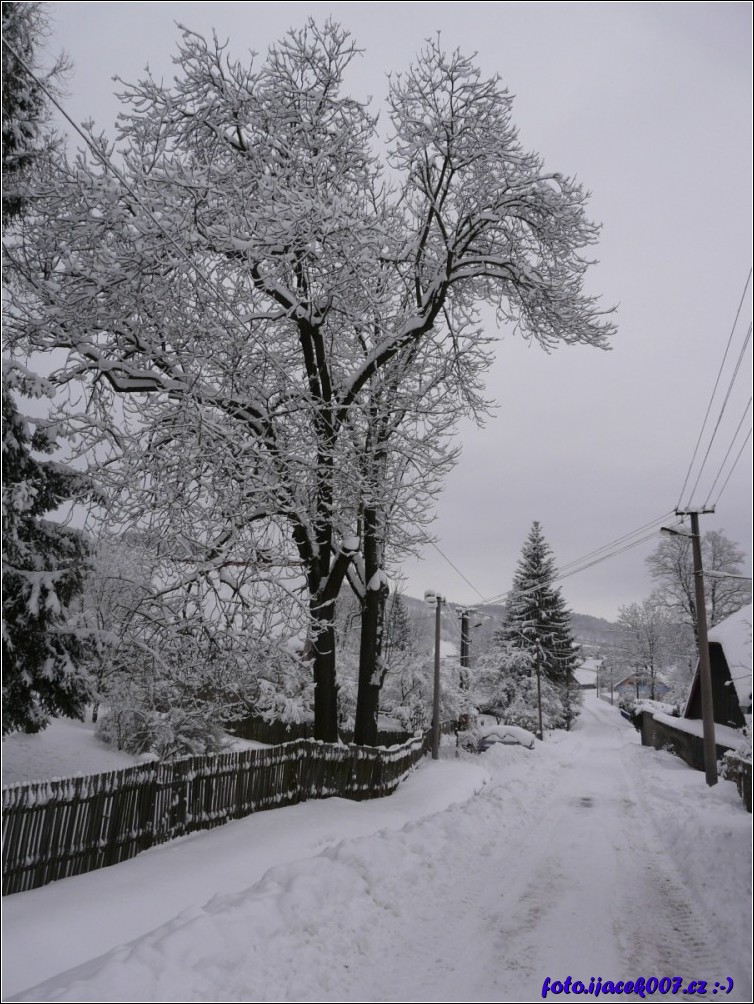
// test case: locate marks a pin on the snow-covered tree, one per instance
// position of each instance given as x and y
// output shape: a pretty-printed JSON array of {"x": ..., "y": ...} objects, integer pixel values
[
  {"x": 646, "y": 633},
  {"x": 537, "y": 619},
  {"x": 178, "y": 651},
  {"x": 505, "y": 684},
  {"x": 43, "y": 561},
  {"x": 671, "y": 565},
  {"x": 249, "y": 273},
  {"x": 23, "y": 104},
  {"x": 399, "y": 634},
  {"x": 44, "y": 647},
  {"x": 403, "y": 458}
]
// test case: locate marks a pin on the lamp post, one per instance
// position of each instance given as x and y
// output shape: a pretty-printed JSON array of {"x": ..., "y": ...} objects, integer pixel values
[
  {"x": 705, "y": 673},
  {"x": 437, "y": 600}
]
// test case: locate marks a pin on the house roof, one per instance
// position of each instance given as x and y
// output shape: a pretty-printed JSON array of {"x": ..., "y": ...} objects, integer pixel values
[
  {"x": 586, "y": 674},
  {"x": 734, "y": 634}
]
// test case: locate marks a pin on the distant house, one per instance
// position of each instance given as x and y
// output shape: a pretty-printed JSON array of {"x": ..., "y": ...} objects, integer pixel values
[
  {"x": 639, "y": 685},
  {"x": 586, "y": 674},
  {"x": 730, "y": 669}
]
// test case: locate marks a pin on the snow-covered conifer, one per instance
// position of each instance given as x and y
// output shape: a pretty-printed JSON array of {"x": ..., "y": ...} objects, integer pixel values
[
  {"x": 43, "y": 561},
  {"x": 537, "y": 619},
  {"x": 43, "y": 568}
]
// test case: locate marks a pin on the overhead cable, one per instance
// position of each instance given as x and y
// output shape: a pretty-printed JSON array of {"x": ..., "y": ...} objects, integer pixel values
[
  {"x": 728, "y": 452},
  {"x": 738, "y": 457},
  {"x": 722, "y": 412},
  {"x": 714, "y": 390}
]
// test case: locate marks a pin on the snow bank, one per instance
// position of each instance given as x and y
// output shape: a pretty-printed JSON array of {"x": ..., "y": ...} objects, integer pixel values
[{"x": 173, "y": 882}]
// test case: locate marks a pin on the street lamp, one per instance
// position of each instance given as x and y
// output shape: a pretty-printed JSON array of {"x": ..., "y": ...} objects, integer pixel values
[
  {"x": 434, "y": 599},
  {"x": 705, "y": 673}
]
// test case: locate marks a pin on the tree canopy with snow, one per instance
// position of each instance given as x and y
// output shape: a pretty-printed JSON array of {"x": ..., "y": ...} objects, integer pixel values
[
  {"x": 649, "y": 639},
  {"x": 268, "y": 297},
  {"x": 671, "y": 565}
]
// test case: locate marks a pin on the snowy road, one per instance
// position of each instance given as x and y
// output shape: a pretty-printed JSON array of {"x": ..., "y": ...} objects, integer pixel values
[
  {"x": 588, "y": 857},
  {"x": 563, "y": 874}
]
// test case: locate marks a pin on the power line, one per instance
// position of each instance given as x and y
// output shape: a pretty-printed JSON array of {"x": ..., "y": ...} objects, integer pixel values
[
  {"x": 722, "y": 412},
  {"x": 457, "y": 569},
  {"x": 727, "y": 454},
  {"x": 714, "y": 389},
  {"x": 612, "y": 554},
  {"x": 618, "y": 540},
  {"x": 738, "y": 457},
  {"x": 582, "y": 564}
]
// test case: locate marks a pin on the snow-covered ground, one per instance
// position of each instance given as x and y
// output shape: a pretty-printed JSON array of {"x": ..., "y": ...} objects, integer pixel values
[
  {"x": 65, "y": 748},
  {"x": 68, "y": 747},
  {"x": 587, "y": 856}
]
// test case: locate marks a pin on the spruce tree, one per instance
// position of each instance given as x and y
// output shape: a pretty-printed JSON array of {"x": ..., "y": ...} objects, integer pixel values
[
  {"x": 43, "y": 568},
  {"x": 43, "y": 562},
  {"x": 537, "y": 618}
]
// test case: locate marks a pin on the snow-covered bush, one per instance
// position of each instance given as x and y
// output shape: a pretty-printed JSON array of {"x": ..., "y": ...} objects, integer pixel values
[
  {"x": 505, "y": 684},
  {"x": 168, "y": 734},
  {"x": 181, "y": 653}
]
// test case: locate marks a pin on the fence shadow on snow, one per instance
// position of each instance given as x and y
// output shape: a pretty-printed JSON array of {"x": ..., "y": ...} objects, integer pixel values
[{"x": 55, "y": 829}]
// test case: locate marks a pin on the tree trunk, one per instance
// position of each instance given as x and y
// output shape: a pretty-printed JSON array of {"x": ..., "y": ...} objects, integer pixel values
[
  {"x": 370, "y": 650},
  {"x": 325, "y": 680},
  {"x": 370, "y": 670}
]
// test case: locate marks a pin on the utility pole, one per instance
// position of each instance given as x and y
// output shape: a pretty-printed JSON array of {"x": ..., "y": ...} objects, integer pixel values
[
  {"x": 539, "y": 697},
  {"x": 430, "y": 597},
  {"x": 465, "y": 658},
  {"x": 705, "y": 673},
  {"x": 464, "y": 615}
]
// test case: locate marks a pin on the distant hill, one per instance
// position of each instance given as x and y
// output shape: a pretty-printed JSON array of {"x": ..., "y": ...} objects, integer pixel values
[
  {"x": 594, "y": 631},
  {"x": 590, "y": 632}
]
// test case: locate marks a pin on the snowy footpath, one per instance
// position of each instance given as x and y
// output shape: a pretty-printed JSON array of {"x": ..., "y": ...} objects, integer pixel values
[{"x": 588, "y": 857}]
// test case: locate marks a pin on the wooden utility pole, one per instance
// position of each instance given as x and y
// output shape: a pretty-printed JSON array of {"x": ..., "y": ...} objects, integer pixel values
[
  {"x": 436, "y": 697},
  {"x": 465, "y": 658},
  {"x": 464, "y": 639},
  {"x": 432, "y": 597},
  {"x": 539, "y": 696},
  {"x": 705, "y": 673}
]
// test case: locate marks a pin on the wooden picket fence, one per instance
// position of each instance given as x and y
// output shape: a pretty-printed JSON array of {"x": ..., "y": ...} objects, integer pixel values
[{"x": 55, "y": 829}]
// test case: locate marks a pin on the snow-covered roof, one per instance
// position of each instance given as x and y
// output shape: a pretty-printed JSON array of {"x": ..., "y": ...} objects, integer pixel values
[
  {"x": 734, "y": 634},
  {"x": 591, "y": 663},
  {"x": 586, "y": 674},
  {"x": 585, "y": 677}
]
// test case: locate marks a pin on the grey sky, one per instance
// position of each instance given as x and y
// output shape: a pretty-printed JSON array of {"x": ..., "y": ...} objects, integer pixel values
[{"x": 649, "y": 105}]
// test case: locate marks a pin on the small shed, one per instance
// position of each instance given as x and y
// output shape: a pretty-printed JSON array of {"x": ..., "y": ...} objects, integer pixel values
[{"x": 730, "y": 669}]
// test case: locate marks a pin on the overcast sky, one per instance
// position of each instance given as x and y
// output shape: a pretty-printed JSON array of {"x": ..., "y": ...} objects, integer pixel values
[{"x": 649, "y": 105}]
